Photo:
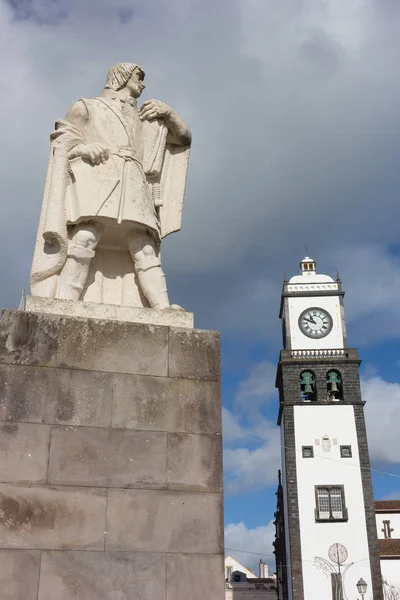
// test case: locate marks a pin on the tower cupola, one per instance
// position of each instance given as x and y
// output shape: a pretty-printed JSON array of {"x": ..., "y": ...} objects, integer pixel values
[{"x": 307, "y": 265}]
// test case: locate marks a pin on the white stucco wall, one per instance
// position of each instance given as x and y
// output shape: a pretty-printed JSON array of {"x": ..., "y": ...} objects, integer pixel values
[
  {"x": 300, "y": 341},
  {"x": 313, "y": 422},
  {"x": 394, "y": 519},
  {"x": 391, "y": 571}
]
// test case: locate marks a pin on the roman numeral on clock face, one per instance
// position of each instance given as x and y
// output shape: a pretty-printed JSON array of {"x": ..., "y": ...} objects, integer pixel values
[{"x": 315, "y": 322}]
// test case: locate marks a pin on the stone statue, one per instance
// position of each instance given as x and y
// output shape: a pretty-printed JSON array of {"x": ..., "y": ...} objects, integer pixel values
[{"x": 114, "y": 189}]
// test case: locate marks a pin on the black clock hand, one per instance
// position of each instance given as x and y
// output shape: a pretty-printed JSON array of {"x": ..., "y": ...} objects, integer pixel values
[{"x": 310, "y": 320}]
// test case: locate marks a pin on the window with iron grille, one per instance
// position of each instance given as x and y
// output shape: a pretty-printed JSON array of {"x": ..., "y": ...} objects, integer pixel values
[
  {"x": 345, "y": 451},
  {"x": 308, "y": 451},
  {"x": 330, "y": 503}
]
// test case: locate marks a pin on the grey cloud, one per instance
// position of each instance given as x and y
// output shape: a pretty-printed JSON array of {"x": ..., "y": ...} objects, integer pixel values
[{"x": 294, "y": 112}]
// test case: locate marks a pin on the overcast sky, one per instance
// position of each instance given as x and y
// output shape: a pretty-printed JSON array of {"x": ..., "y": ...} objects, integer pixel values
[{"x": 294, "y": 109}]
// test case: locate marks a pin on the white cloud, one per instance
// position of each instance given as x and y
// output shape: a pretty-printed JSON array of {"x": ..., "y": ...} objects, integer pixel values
[
  {"x": 257, "y": 388},
  {"x": 382, "y": 412},
  {"x": 257, "y": 543},
  {"x": 252, "y": 446},
  {"x": 372, "y": 279},
  {"x": 248, "y": 469},
  {"x": 232, "y": 430}
]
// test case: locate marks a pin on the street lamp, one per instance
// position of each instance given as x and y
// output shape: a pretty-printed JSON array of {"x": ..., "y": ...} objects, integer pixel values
[{"x": 362, "y": 587}]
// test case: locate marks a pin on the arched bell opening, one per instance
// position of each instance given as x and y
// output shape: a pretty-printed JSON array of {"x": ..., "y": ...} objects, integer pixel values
[
  {"x": 334, "y": 386},
  {"x": 307, "y": 387}
]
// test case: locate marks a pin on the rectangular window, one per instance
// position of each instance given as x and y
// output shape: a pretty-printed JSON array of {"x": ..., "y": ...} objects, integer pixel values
[
  {"x": 308, "y": 452},
  {"x": 330, "y": 503},
  {"x": 387, "y": 531},
  {"x": 345, "y": 451}
]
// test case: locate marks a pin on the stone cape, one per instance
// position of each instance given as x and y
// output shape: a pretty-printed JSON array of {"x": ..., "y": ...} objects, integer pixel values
[{"x": 112, "y": 279}]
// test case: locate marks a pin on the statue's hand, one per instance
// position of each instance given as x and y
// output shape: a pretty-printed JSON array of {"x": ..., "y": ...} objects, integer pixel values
[
  {"x": 154, "y": 109},
  {"x": 95, "y": 153}
]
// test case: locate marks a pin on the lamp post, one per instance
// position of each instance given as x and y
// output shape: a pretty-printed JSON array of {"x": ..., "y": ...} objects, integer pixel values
[{"x": 362, "y": 587}]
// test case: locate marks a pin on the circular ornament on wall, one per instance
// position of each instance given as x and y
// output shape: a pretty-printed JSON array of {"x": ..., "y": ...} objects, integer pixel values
[
  {"x": 338, "y": 553},
  {"x": 315, "y": 322}
]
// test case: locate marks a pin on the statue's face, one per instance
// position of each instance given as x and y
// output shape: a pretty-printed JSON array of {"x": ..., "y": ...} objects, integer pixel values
[{"x": 135, "y": 84}]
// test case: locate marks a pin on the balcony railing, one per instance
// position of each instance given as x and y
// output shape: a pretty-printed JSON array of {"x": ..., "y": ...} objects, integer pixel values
[
  {"x": 329, "y": 352},
  {"x": 305, "y": 354}
]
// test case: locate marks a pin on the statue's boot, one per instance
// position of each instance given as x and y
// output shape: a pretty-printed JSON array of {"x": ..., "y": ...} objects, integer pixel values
[
  {"x": 85, "y": 238},
  {"x": 74, "y": 274},
  {"x": 145, "y": 254},
  {"x": 154, "y": 286}
]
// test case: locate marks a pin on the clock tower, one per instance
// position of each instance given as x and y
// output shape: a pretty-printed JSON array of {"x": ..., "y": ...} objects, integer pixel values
[{"x": 326, "y": 537}]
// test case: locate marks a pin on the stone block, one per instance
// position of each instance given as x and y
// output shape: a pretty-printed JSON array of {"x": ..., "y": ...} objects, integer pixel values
[
  {"x": 194, "y": 462},
  {"x": 164, "y": 521},
  {"x": 195, "y": 577},
  {"x": 166, "y": 404},
  {"x": 102, "y": 576},
  {"x": 24, "y": 451},
  {"x": 111, "y": 312},
  {"x": 19, "y": 574},
  {"x": 28, "y": 338},
  {"x": 113, "y": 347},
  {"x": 194, "y": 354},
  {"x": 59, "y": 396},
  {"x": 107, "y": 458},
  {"x": 52, "y": 518}
]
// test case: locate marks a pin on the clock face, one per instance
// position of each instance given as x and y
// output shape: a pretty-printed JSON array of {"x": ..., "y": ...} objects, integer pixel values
[{"x": 315, "y": 322}]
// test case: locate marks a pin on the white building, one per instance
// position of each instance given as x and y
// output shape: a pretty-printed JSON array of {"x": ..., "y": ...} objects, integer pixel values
[
  {"x": 388, "y": 526},
  {"x": 232, "y": 565},
  {"x": 242, "y": 584},
  {"x": 326, "y": 534}
]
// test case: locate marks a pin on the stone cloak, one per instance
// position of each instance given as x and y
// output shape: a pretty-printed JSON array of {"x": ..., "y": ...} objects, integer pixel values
[{"x": 164, "y": 164}]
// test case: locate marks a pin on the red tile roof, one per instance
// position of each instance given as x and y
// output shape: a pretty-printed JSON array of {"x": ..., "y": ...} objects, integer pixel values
[
  {"x": 389, "y": 547},
  {"x": 387, "y": 505}
]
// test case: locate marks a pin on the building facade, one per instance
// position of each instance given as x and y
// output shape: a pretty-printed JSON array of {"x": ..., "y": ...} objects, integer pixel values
[
  {"x": 232, "y": 565},
  {"x": 326, "y": 532},
  {"x": 242, "y": 584},
  {"x": 388, "y": 529}
]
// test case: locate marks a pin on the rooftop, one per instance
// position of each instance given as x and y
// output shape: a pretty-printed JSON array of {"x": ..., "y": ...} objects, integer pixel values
[
  {"x": 389, "y": 547},
  {"x": 387, "y": 505}
]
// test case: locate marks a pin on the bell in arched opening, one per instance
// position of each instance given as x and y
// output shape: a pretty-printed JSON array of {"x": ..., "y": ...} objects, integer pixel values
[
  {"x": 334, "y": 386},
  {"x": 307, "y": 385}
]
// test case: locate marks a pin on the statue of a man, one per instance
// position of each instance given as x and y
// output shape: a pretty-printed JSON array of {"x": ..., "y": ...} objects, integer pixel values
[{"x": 115, "y": 186}]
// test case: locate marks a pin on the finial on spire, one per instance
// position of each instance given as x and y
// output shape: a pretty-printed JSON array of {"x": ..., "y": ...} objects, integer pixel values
[{"x": 337, "y": 275}]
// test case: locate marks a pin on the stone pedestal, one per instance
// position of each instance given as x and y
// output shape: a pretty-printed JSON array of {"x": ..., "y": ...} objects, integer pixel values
[{"x": 110, "y": 460}]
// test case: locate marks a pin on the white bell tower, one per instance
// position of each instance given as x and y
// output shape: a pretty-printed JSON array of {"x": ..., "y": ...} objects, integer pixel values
[
  {"x": 313, "y": 327},
  {"x": 326, "y": 534}
]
